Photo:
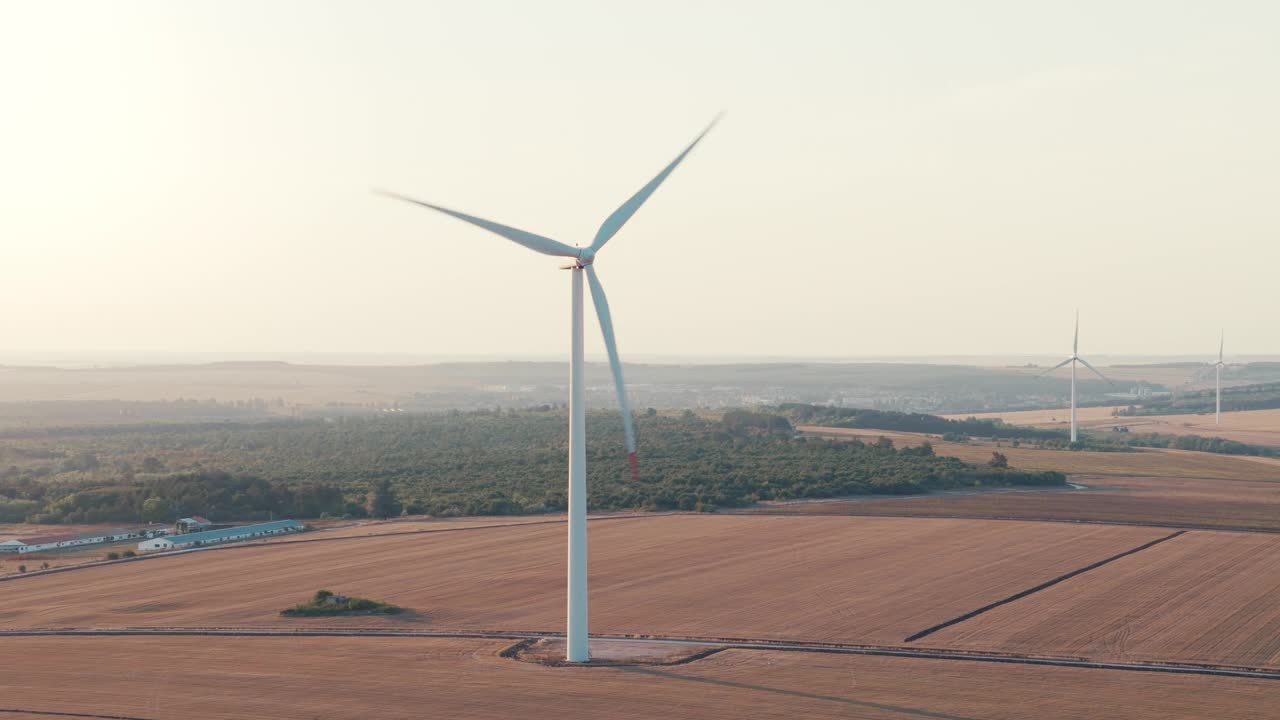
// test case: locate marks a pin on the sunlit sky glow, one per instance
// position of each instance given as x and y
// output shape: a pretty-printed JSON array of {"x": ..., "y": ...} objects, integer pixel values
[{"x": 892, "y": 178}]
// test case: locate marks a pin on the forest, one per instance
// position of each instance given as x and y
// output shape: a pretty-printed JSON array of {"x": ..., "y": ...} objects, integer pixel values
[
  {"x": 458, "y": 463},
  {"x": 963, "y": 430},
  {"x": 1194, "y": 442},
  {"x": 913, "y": 422}
]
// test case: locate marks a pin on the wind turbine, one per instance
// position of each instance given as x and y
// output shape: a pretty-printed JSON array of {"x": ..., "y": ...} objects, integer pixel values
[
  {"x": 582, "y": 264},
  {"x": 1217, "y": 381},
  {"x": 1075, "y": 357}
]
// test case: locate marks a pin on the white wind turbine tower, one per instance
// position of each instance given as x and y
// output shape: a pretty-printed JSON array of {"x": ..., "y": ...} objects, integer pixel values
[
  {"x": 1075, "y": 357},
  {"x": 576, "y": 631},
  {"x": 1217, "y": 381}
]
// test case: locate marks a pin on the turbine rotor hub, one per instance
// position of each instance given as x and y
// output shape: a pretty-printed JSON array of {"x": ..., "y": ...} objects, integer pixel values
[{"x": 586, "y": 256}]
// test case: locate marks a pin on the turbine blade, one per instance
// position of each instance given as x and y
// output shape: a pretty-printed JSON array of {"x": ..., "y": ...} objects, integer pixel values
[
  {"x": 1075, "y": 341},
  {"x": 1222, "y": 339},
  {"x": 611, "y": 346},
  {"x": 614, "y": 222},
  {"x": 537, "y": 243},
  {"x": 1055, "y": 367},
  {"x": 1095, "y": 370}
]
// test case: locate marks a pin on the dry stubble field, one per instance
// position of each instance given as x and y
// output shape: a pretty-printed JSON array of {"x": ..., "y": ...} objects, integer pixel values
[
  {"x": 871, "y": 580},
  {"x": 1165, "y": 463},
  {"x": 1179, "y": 502},
  {"x": 420, "y": 523},
  {"x": 1203, "y": 597},
  {"x": 341, "y": 678},
  {"x": 843, "y": 579},
  {"x": 1169, "y": 487},
  {"x": 10, "y": 564},
  {"x": 1258, "y": 427}
]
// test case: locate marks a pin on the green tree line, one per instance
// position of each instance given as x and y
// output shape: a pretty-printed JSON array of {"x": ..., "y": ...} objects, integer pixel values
[
  {"x": 486, "y": 462},
  {"x": 913, "y": 422}
]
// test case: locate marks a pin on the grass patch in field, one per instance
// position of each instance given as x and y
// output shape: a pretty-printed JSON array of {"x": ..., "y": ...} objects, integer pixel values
[{"x": 325, "y": 603}]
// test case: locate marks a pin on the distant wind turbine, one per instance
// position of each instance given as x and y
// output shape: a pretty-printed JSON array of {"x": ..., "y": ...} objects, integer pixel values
[
  {"x": 1075, "y": 357},
  {"x": 583, "y": 259},
  {"x": 1217, "y": 381}
]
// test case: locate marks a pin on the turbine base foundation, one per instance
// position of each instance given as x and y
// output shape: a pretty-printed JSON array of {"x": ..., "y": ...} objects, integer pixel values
[{"x": 551, "y": 651}]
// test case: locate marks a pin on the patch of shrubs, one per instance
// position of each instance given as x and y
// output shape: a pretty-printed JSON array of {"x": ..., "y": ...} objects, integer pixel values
[{"x": 325, "y": 603}]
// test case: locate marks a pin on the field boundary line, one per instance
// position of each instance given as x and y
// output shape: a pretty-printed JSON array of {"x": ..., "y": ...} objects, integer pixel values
[
  {"x": 1006, "y": 518},
  {"x": 1042, "y": 586},
  {"x": 723, "y": 643}
]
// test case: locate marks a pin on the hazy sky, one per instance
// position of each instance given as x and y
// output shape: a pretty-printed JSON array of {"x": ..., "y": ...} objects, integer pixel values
[{"x": 892, "y": 178}]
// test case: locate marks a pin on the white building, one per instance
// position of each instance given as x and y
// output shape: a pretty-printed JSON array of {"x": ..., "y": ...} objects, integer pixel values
[
  {"x": 217, "y": 537},
  {"x": 62, "y": 541}
]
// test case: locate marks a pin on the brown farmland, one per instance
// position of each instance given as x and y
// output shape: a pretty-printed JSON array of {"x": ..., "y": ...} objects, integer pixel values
[
  {"x": 229, "y": 678},
  {"x": 1166, "y": 463},
  {"x": 1202, "y": 597},
  {"x": 420, "y": 523},
  {"x": 1258, "y": 427},
  {"x": 812, "y": 578},
  {"x": 428, "y": 523},
  {"x": 1050, "y": 417},
  {"x": 1179, "y": 502},
  {"x": 323, "y": 529},
  {"x": 10, "y": 563}
]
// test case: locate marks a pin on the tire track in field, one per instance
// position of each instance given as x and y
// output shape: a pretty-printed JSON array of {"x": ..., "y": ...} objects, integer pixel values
[
  {"x": 1032, "y": 590},
  {"x": 55, "y": 713}
]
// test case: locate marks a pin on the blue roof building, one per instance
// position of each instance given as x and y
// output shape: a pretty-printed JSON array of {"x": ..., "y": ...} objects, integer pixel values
[{"x": 238, "y": 533}]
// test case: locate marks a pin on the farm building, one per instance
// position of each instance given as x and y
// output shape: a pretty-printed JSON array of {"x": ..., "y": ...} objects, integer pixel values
[
  {"x": 69, "y": 540},
  {"x": 216, "y": 537},
  {"x": 192, "y": 524}
]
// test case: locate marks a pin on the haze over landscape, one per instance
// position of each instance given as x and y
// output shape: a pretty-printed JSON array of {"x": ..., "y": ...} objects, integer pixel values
[
  {"x": 893, "y": 179},
  {"x": 282, "y": 437}
]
